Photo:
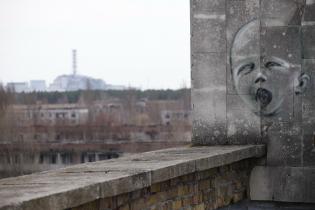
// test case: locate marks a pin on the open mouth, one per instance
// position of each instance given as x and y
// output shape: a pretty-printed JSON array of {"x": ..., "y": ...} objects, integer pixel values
[{"x": 263, "y": 96}]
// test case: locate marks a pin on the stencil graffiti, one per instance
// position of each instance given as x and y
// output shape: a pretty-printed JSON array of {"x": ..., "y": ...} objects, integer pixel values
[{"x": 262, "y": 80}]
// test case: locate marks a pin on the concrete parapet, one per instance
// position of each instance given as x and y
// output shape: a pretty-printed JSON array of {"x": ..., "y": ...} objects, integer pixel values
[{"x": 92, "y": 183}]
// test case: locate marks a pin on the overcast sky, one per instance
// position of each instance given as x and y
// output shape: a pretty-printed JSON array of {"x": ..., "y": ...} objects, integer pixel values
[{"x": 142, "y": 43}]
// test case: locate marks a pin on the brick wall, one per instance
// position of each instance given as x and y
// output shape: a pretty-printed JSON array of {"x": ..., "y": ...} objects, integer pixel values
[{"x": 209, "y": 189}]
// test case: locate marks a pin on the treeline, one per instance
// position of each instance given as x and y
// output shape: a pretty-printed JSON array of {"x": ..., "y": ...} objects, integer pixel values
[{"x": 93, "y": 95}]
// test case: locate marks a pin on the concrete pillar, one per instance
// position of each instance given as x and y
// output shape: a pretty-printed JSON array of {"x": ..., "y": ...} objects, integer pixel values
[
  {"x": 208, "y": 47},
  {"x": 59, "y": 161}
]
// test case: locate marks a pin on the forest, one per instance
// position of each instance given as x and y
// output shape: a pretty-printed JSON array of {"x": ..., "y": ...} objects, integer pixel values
[{"x": 95, "y": 95}]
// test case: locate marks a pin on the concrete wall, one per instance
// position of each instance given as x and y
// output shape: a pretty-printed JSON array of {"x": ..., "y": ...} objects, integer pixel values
[
  {"x": 253, "y": 65},
  {"x": 179, "y": 178}
]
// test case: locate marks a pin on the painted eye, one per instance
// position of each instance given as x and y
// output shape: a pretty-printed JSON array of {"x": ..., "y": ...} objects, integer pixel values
[
  {"x": 272, "y": 64},
  {"x": 246, "y": 69}
]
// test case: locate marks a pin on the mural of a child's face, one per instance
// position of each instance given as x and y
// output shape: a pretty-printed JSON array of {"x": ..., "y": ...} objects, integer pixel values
[{"x": 262, "y": 81}]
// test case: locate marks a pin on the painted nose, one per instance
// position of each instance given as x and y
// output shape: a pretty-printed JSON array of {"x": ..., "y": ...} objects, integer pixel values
[{"x": 260, "y": 77}]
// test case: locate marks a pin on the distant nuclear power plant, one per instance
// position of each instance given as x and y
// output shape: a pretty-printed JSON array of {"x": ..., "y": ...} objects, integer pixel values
[
  {"x": 66, "y": 82},
  {"x": 75, "y": 81}
]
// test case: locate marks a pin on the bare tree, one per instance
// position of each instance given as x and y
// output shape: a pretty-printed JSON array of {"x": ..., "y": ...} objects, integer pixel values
[{"x": 7, "y": 120}]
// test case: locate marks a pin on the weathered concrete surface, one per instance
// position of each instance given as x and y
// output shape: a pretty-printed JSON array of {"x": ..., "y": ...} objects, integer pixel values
[
  {"x": 208, "y": 26},
  {"x": 308, "y": 41},
  {"x": 283, "y": 12},
  {"x": 243, "y": 126},
  {"x": 285, "y": 184},
  {"x": 283, "y": 31},
  {"x": 208, "y": 46},
  {"x": 267, "y": 93},
  {"x": 260, "y": 205},
  {"x": 76, "y": 185},
  {"x": 309, "y": 15}
]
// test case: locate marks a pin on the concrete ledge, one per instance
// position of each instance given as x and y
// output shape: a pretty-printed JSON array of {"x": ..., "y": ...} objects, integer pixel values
[{"x": 76, "y": 185}]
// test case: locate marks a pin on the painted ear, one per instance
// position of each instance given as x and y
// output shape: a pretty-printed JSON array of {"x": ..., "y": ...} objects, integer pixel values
[{"x": 303, "y": 82}]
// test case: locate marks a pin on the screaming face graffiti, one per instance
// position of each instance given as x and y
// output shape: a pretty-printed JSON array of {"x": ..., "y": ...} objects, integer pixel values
[{"x": 263, "y": 81}]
